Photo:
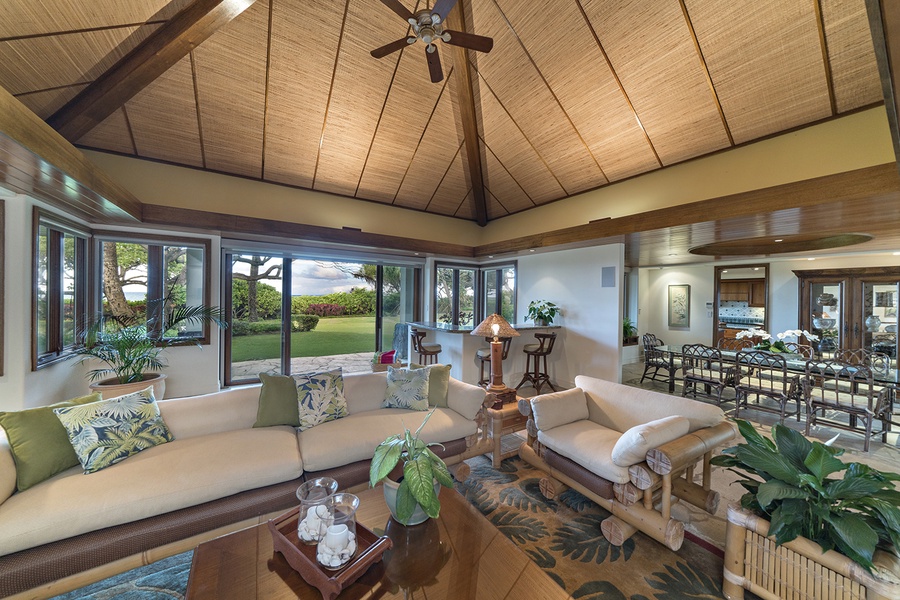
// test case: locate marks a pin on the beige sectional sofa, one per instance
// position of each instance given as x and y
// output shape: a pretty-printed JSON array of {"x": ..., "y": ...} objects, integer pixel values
[
  {"x": 219, "y": 473},
  {"x": 633, "y": 451}
]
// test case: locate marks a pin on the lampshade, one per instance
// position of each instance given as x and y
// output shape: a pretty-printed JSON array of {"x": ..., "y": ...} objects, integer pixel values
[{"x": 485, "y": 328}]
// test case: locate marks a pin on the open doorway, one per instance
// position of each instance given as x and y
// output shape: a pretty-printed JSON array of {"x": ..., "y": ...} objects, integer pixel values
[{"x": 742, "y": 300}]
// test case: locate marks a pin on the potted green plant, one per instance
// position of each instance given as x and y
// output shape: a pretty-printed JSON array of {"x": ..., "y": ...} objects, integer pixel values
[
  {"x": 843, "y": 523},
  {"x": 542, "y": 312},
  {"x": 629, "y": 332},
  {"x": 130, "y": 347},
  {"x": 414, "y": 498}
]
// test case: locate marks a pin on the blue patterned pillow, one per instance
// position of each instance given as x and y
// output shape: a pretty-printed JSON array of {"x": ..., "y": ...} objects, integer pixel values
[
  {"x": 320, "y": 397},
  {"x": 106, "y": 432},
  {"x": 407, "y": 388}
]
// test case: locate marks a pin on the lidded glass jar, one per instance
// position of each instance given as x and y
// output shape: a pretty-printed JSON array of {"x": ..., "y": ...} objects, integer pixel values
[
  {"x": 338, "y": 547},
  {"x": 315, "y": 509}
]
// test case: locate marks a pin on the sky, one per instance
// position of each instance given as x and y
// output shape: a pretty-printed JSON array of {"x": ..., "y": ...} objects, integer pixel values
[{"x": 314, "y": 278}]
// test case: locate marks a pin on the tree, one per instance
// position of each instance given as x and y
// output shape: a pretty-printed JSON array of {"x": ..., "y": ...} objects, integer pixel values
[
  {"x": 255, "y": 261},
  {"x": 119, "y": 263}
]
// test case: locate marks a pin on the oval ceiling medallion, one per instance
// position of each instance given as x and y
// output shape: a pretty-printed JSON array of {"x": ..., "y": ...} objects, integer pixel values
[{"x": 779, "y": 244}]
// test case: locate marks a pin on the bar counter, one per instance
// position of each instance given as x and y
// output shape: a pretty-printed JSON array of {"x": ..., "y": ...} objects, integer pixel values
[{"x": 458, "y": 348}]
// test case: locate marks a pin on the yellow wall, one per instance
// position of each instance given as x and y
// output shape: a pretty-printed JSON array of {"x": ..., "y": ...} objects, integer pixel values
[{"x": 852, "y": 142}]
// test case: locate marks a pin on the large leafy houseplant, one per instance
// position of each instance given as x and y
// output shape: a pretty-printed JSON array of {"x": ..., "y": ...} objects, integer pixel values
[
  {"x": 421, "y": 468},
  {"x": 129, "y": 347},
  {"x": 790, "y": 482},
  {"x": 542, "y": 311}
]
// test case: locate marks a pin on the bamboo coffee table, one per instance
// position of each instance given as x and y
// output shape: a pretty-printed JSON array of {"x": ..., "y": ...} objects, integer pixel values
[{"x": 459, "y": 555}]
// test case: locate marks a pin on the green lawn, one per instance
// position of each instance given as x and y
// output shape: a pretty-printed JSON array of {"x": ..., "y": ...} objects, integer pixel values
[{"x": 338, "y": 335}]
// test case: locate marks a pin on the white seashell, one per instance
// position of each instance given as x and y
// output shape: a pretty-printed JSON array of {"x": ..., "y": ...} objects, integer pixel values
[
  {"x": 351, "y": 547},
  {"x": 335, "y": 562}
]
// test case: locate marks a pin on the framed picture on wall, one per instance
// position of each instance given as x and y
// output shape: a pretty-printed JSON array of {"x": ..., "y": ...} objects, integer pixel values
[{"x": 679, "y": 305}]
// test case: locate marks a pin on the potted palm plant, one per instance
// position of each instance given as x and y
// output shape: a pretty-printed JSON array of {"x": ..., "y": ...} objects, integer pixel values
[
  {"x": 542, "y": 312},
  {"x": 414, "y": 498},
  {"x": 130, "y": 347},
  {"x": 629, "y": 332},
  {"x": 849, "y": 526}
]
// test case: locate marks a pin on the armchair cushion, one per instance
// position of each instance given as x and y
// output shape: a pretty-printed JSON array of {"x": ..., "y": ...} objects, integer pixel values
[
  {"x": 634, "y": 444},
  {"x": 589, "y": 445},
  {"x": 559, "y": 408}
]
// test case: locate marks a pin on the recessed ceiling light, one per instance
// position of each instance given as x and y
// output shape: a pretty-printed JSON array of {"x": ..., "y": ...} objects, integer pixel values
[
  {"x": 896, "y": 253},
  {"x": 490, "y": 256},
  {"x": 756, "y": 268},
  {"x": 779, "y": 241},
  {"x": 810, "y": 259},
  {"x": 725, "y": 270},
  {"x": 531, "y": 250},
  {"x": 417, "y": 253}
]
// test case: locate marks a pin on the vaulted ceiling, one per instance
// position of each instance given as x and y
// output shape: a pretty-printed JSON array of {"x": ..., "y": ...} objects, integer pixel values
[{"x": 575, "y": 95}]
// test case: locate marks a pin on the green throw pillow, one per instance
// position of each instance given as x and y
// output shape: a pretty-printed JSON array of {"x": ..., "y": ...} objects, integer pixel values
[
  {"x": 277, "y": 401},
  {"x": 39, "y": 443},
  {"x": 438, "y": 383},
  {"x": 407, "y": 388},
  {"x": 106, "y": 432},
  {"x": 320, "y": 397}
]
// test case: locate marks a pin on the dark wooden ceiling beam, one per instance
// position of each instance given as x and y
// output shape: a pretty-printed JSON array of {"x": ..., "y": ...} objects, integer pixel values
[
  {"x": 140, "y": 67},
  {"x": 465, "y": 97},
  {"x": 884, "y": 23},
  {"x": 36, "y": 160}
]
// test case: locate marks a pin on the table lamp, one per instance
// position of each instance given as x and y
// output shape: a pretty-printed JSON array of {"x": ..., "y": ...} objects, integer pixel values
[{"x": 496, "y": 327}]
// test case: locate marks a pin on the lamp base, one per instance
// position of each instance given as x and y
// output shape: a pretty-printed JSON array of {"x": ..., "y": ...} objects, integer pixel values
[{"x": 501, "y": 397}]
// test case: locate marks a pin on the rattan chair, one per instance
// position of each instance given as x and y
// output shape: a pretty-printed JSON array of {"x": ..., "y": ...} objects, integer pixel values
[
  {"x": 654, "y": 359},
  {"x": 734, "y": 344},
  {"x": 878, "y": 362},
  {"x": 836, "y": 386},
  {"x": 764, "y": 375},
  {"x": 703, "y": 367},
  {"x": 803, "y": 350}
]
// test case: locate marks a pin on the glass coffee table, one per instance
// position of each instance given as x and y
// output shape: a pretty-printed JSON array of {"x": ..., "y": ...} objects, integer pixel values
[{"x": 459, "y": 555}]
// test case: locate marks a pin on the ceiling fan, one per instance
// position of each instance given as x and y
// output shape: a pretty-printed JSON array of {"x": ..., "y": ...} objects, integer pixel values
[{"x": 428, "y": 26}]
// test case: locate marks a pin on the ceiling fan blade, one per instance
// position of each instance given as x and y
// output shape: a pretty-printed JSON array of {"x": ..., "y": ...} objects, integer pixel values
[
  {"x": 388, "y": 48},
  {"x": 434, "y": 66},
  {"x": 470, "y": 40},
  {"x": 398, "y": 8},
  {"x": 443, "y": 7}
]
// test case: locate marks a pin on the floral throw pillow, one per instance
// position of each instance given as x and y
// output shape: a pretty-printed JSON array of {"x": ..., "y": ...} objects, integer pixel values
[
  {"x": 407, "y": 389},
  {"x": 106, "y": 432},
  {"x": 320, "y": 397}
]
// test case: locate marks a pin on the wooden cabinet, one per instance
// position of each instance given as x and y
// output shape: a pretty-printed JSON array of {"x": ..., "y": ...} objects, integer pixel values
[
  {"x": 751, "y": 291},
  {"x": 757, "y": 294},
  {"x": 858, "y": 309}
]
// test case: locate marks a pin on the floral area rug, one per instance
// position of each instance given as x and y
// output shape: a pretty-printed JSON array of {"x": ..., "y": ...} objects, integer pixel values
[
  {"x": 563, "y": 537},
  {"x": 163, "y": 580}
]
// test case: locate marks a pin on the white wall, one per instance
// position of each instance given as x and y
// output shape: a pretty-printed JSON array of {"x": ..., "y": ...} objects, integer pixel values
[{"x": 590, "y": 340}]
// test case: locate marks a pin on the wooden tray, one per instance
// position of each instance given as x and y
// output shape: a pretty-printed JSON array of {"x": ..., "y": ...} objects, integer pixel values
[{"x": 302, "y": 557}]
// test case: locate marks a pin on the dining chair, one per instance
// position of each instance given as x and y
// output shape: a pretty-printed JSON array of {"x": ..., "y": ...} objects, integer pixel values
[
  {"x": 654, "y": 358},
  {"x": 835, "y": 386},
  {"x": 804, "y": 350},
  {"x": 703, "y": 367},
  {"x": 734, "y": 344},
  {"x": 878, "y": 362},
  {"x": 764, "y": 375}
]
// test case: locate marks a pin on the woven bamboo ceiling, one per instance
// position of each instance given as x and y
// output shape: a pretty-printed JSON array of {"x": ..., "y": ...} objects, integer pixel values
[{"x": 576, "y": 94}]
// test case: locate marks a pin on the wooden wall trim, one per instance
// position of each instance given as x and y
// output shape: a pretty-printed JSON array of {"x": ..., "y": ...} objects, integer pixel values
[
  {"x": 2, "y": 280},
  {"x": 881, "y": 181},
  {"x": 147, "y": 61},
  {"x": 884, "y": 24},
  {"x": 36, "y": 160},
  {"x": 180, "y": 217}
]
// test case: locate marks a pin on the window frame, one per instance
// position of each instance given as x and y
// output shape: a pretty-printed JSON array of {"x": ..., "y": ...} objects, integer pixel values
[
  {"x": 155, "y": 255},
  {"x": 58, "y": 227},
  {"x": 480, "y": 290},
  {"x": 498, "y": 268}
]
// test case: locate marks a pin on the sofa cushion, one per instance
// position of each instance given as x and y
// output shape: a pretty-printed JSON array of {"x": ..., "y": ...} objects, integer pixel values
[
  {"x": 7, "y": 469},
  {"x": 406, "y": 388},
  {"x": 154, "y": 482},
  {"x": 621, "y": 407},
  {"x": 109, "y": 431},
  {"x": 39, "y": 443},
  {"x": 364, "y": 391},
  {"x": 588, "y": 444},
  {"x": 321, "y": 397},
  {"x": 438, "y": 383},
  {"x": 559, "y": 408},
  {"x": 226, "y": 410},
  {"x": 634, "y": 444},
  {"x": 355, "y": 437},
  {"x": 465, "y": 398},
  {"x": 278, "y": 403}
]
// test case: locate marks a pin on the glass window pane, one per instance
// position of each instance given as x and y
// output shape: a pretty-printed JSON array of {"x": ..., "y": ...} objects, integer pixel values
[
  {"x": 256, "y": 315},
  {"x": 43, "y": 312},
  {"x": 508, "y": 294},
  {"x": 490, "y": 292},
  {"x": 69, "y": 309},
  {"x": 125, "y": 281},
  {"x": 342, "y": 296},
  {"x": 183, "y": 284},
  {"x": 444, "y": 295},
  {"x": 466, "y": 296},
  {"x": 398, "y": 306}
]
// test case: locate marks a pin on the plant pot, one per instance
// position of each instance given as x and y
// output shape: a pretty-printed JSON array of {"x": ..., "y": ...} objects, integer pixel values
[
  {"x": 630, "y": 340},
  {"x": 390, "y": 498},
  {"x": 111, "y": 388},
  {"x": 753, "y": 562},
  {"x": 540, "y": 322}
]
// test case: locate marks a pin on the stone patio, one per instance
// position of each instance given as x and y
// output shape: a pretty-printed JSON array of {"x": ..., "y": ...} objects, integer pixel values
[{"x": 350, "y": 363}]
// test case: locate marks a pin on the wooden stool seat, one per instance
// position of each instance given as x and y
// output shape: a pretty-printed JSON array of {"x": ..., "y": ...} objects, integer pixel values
[
  {"x": 534, "y": 353},
  {"x": 427, "y": 352}
]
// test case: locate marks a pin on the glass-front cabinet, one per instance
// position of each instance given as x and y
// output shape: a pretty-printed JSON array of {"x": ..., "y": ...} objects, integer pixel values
[{"x": 851, "y": 308}]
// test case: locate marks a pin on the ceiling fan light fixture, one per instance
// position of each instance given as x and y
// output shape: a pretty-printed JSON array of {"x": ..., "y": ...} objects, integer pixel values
[
  {"x": 411, "y": 40},
  {"x": 430, "y": 48},
  {"x": 445, "y": 36}
]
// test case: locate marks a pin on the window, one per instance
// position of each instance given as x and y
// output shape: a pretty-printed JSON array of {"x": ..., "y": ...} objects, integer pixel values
[
  {"x": 458, "y": 286},
  {"x": 143, "y": 270},
  {"x": 293, "y": 314},
  {"x": 60, "y": 286}
]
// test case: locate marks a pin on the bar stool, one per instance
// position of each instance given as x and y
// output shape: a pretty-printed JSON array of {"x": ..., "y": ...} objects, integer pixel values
[
  {"x": 533, "y": 355},
  {"x": 427, "y": 352},
  {"x": 484, "y": 356}
]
